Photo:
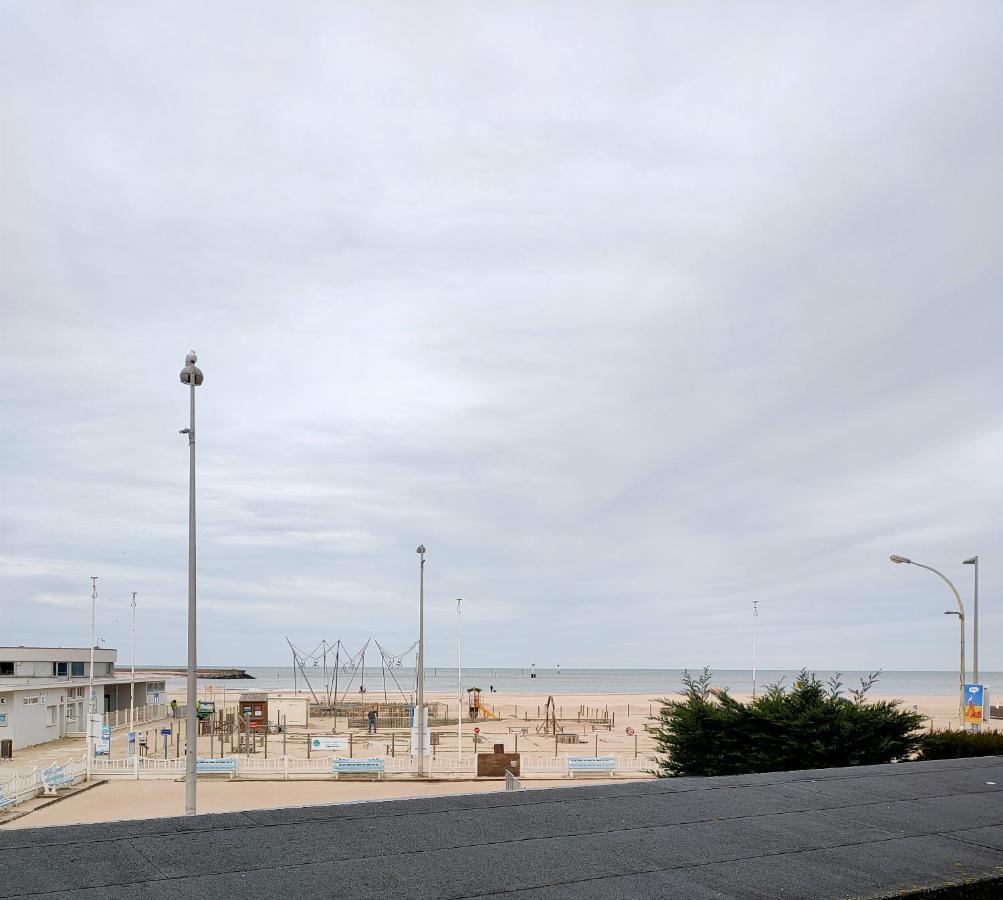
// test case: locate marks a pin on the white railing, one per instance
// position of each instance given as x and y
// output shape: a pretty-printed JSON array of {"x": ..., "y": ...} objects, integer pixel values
[
  {"x": 23, "y": 786},
  {"x": 150, "y": 713},
  {"x": 318, "y": 766}
]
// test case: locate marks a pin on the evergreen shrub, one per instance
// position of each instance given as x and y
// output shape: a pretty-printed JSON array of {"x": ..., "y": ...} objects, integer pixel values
[{"x": 812, "y": 725}]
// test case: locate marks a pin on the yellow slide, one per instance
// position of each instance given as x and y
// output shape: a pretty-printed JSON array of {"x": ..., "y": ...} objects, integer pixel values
[{"x": 487, "y": 713}]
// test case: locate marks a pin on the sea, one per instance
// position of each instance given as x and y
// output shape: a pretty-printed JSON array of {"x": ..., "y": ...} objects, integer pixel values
[{"x": 656, "y": 683}]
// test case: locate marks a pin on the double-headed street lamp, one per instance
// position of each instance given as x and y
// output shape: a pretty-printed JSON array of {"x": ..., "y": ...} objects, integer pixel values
[
  {"x": 191, "y": 375},
  {"x": 895, "y": 558}
]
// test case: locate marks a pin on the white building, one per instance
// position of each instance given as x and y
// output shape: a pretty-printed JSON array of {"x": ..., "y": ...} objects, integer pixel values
[{"x": 43, "y": 692}]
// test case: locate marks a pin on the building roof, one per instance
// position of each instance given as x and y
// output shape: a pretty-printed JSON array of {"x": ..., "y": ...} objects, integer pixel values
[{"x": 872, "y": 831}]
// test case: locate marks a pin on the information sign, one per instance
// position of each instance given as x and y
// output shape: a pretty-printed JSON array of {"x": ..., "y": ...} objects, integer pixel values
[
  {"x": 329, "y": 743},
  {"x": 975, "y": 704},
  {"x": 103, "y": 744}
]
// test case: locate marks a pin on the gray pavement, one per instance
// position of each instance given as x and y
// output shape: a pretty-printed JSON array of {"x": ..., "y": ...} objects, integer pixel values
[{"x": 866, "y": 832}]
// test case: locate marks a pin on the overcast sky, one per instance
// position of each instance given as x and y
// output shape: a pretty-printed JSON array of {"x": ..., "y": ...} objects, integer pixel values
[{"x": 632, "y": 313}]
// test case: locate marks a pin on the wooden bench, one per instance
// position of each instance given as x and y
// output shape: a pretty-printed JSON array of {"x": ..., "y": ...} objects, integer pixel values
[
  {"x": 518, "y": 729},
  {"x": 601, "y": 764},
  {"x": 347, "y": 766},
  {"x": 226, "y": 765},
  {"x": 54, "y": 778}
]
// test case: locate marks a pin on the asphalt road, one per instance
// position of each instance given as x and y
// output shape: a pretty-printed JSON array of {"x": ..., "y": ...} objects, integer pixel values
[{"x": 865, "y": 832}]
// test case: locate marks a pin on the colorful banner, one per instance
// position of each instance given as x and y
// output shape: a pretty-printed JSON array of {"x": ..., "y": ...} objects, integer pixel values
[{"x": 975, "y": 704}]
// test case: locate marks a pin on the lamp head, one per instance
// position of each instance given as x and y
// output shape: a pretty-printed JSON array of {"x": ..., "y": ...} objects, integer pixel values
[
  {"x": 421, "y": 550},
  {"x": 971, "y": 561},
  {"x": 951, "y": 612},
  {"x": 895, "y": 558},
  {"x": 191, "y": 373}
]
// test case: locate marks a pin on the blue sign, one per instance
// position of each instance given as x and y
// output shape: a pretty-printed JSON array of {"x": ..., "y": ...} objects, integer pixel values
[
  {"x": 975, "y": 703},
  {"x": 166, "y": 732},
  {"x": 103, "y": 744}
]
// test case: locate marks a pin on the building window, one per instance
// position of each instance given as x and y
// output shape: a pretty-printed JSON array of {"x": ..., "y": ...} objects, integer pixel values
[
  {"x": 77, "y": 669},
  {"x": 6, "y": 668},
  {"x": 51, "y": 715},
  {"x": 59, "y": 669}
]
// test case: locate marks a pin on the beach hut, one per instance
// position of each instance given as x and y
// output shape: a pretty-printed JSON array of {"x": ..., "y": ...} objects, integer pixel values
[{"x": 253, "y": 709}]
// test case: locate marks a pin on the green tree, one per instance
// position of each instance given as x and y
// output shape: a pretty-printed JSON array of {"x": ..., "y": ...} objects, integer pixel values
[{"x": 811, "y": 725}]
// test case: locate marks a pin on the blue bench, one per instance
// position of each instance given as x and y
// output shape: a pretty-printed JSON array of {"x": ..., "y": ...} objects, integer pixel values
[
  {"x": 602, "y": 764},
  {"x": 372, "y": 765},
  {"x": 55, "y": 777},
  {"x": 6, "y": 802},
  {"x": 226, "y": 765}
]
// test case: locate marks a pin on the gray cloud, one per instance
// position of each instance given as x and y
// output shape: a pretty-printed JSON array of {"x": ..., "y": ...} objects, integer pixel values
[{"x": 631, "y": 314}]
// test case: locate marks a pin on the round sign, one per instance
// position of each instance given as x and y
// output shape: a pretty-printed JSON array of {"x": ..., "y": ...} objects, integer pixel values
[
  {"x": 630, "y": 731},
  {"x": 477, "y": 731}
]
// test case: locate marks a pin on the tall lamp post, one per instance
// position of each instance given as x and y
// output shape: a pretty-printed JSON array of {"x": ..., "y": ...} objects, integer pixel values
[
  {"x": 192, "y": 376},
  {"x": 974, "y": 561},
  {"x": 895, "y": 558},
  {"x": 459, "y": 681},
  {"x": 755, "y": 643},
  {"x": 132, "y": 683},
  {"x": 421, "y": 661},
  {"x": 91, "y": 704}
]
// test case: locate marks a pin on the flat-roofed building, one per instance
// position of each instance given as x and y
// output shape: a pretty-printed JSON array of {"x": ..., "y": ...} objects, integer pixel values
[{"x": 43, "y": 692}]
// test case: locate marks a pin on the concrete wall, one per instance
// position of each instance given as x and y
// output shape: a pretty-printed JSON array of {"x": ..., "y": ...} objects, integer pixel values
[
  {"x": 293, "y": 708},
  {"x": 62, "y": 654},
  {"x": 28, "y": 723}
]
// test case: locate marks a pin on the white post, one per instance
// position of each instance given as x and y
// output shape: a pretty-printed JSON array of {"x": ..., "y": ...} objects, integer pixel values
[
  {"x": 91, "y": 702},
  {"x": 755, "y": 643},
  {"x": 132, "y": 685},
  {"x": 459, "y": 683},
  {"x": 421, "y": 663}
]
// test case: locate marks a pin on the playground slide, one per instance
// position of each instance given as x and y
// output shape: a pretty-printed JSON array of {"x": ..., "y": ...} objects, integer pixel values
[{"x": 487, "y": 713}]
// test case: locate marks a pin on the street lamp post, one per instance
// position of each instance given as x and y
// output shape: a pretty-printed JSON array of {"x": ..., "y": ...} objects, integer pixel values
[
  {"x": 974, "y": 561},
  {"x": 91, "y": 704},
  {"x": 755, "y": 643},
  {"x": 895, "y": 558},
  {"x": 459, "y": 682},
  {"x": 192, "y": 376},
  {"x": 421, "y": 661},
  {"x": 132, "y": 683}
]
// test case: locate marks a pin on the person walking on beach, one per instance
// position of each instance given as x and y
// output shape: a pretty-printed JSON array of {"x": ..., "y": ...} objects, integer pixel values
[{"x": 373, "y": 713}]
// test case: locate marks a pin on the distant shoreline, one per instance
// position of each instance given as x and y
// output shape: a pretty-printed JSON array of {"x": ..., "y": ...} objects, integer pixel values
[{"x": 222, "y": 673}]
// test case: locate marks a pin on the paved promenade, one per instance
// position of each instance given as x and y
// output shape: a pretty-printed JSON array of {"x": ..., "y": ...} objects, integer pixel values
[{"x": 866, "y": 832}]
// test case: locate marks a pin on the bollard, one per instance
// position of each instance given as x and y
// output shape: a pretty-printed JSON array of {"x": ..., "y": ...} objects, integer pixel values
[{"x": 597, "y": 745}]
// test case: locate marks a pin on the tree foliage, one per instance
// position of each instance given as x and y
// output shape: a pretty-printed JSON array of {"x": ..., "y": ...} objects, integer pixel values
[
  {"x": 809, "y": 726},
  {"x": 950, "y": 744}
]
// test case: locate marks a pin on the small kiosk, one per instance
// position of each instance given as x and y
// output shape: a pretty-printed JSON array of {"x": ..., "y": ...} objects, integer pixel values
[{"x": 253, "y": 711}]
